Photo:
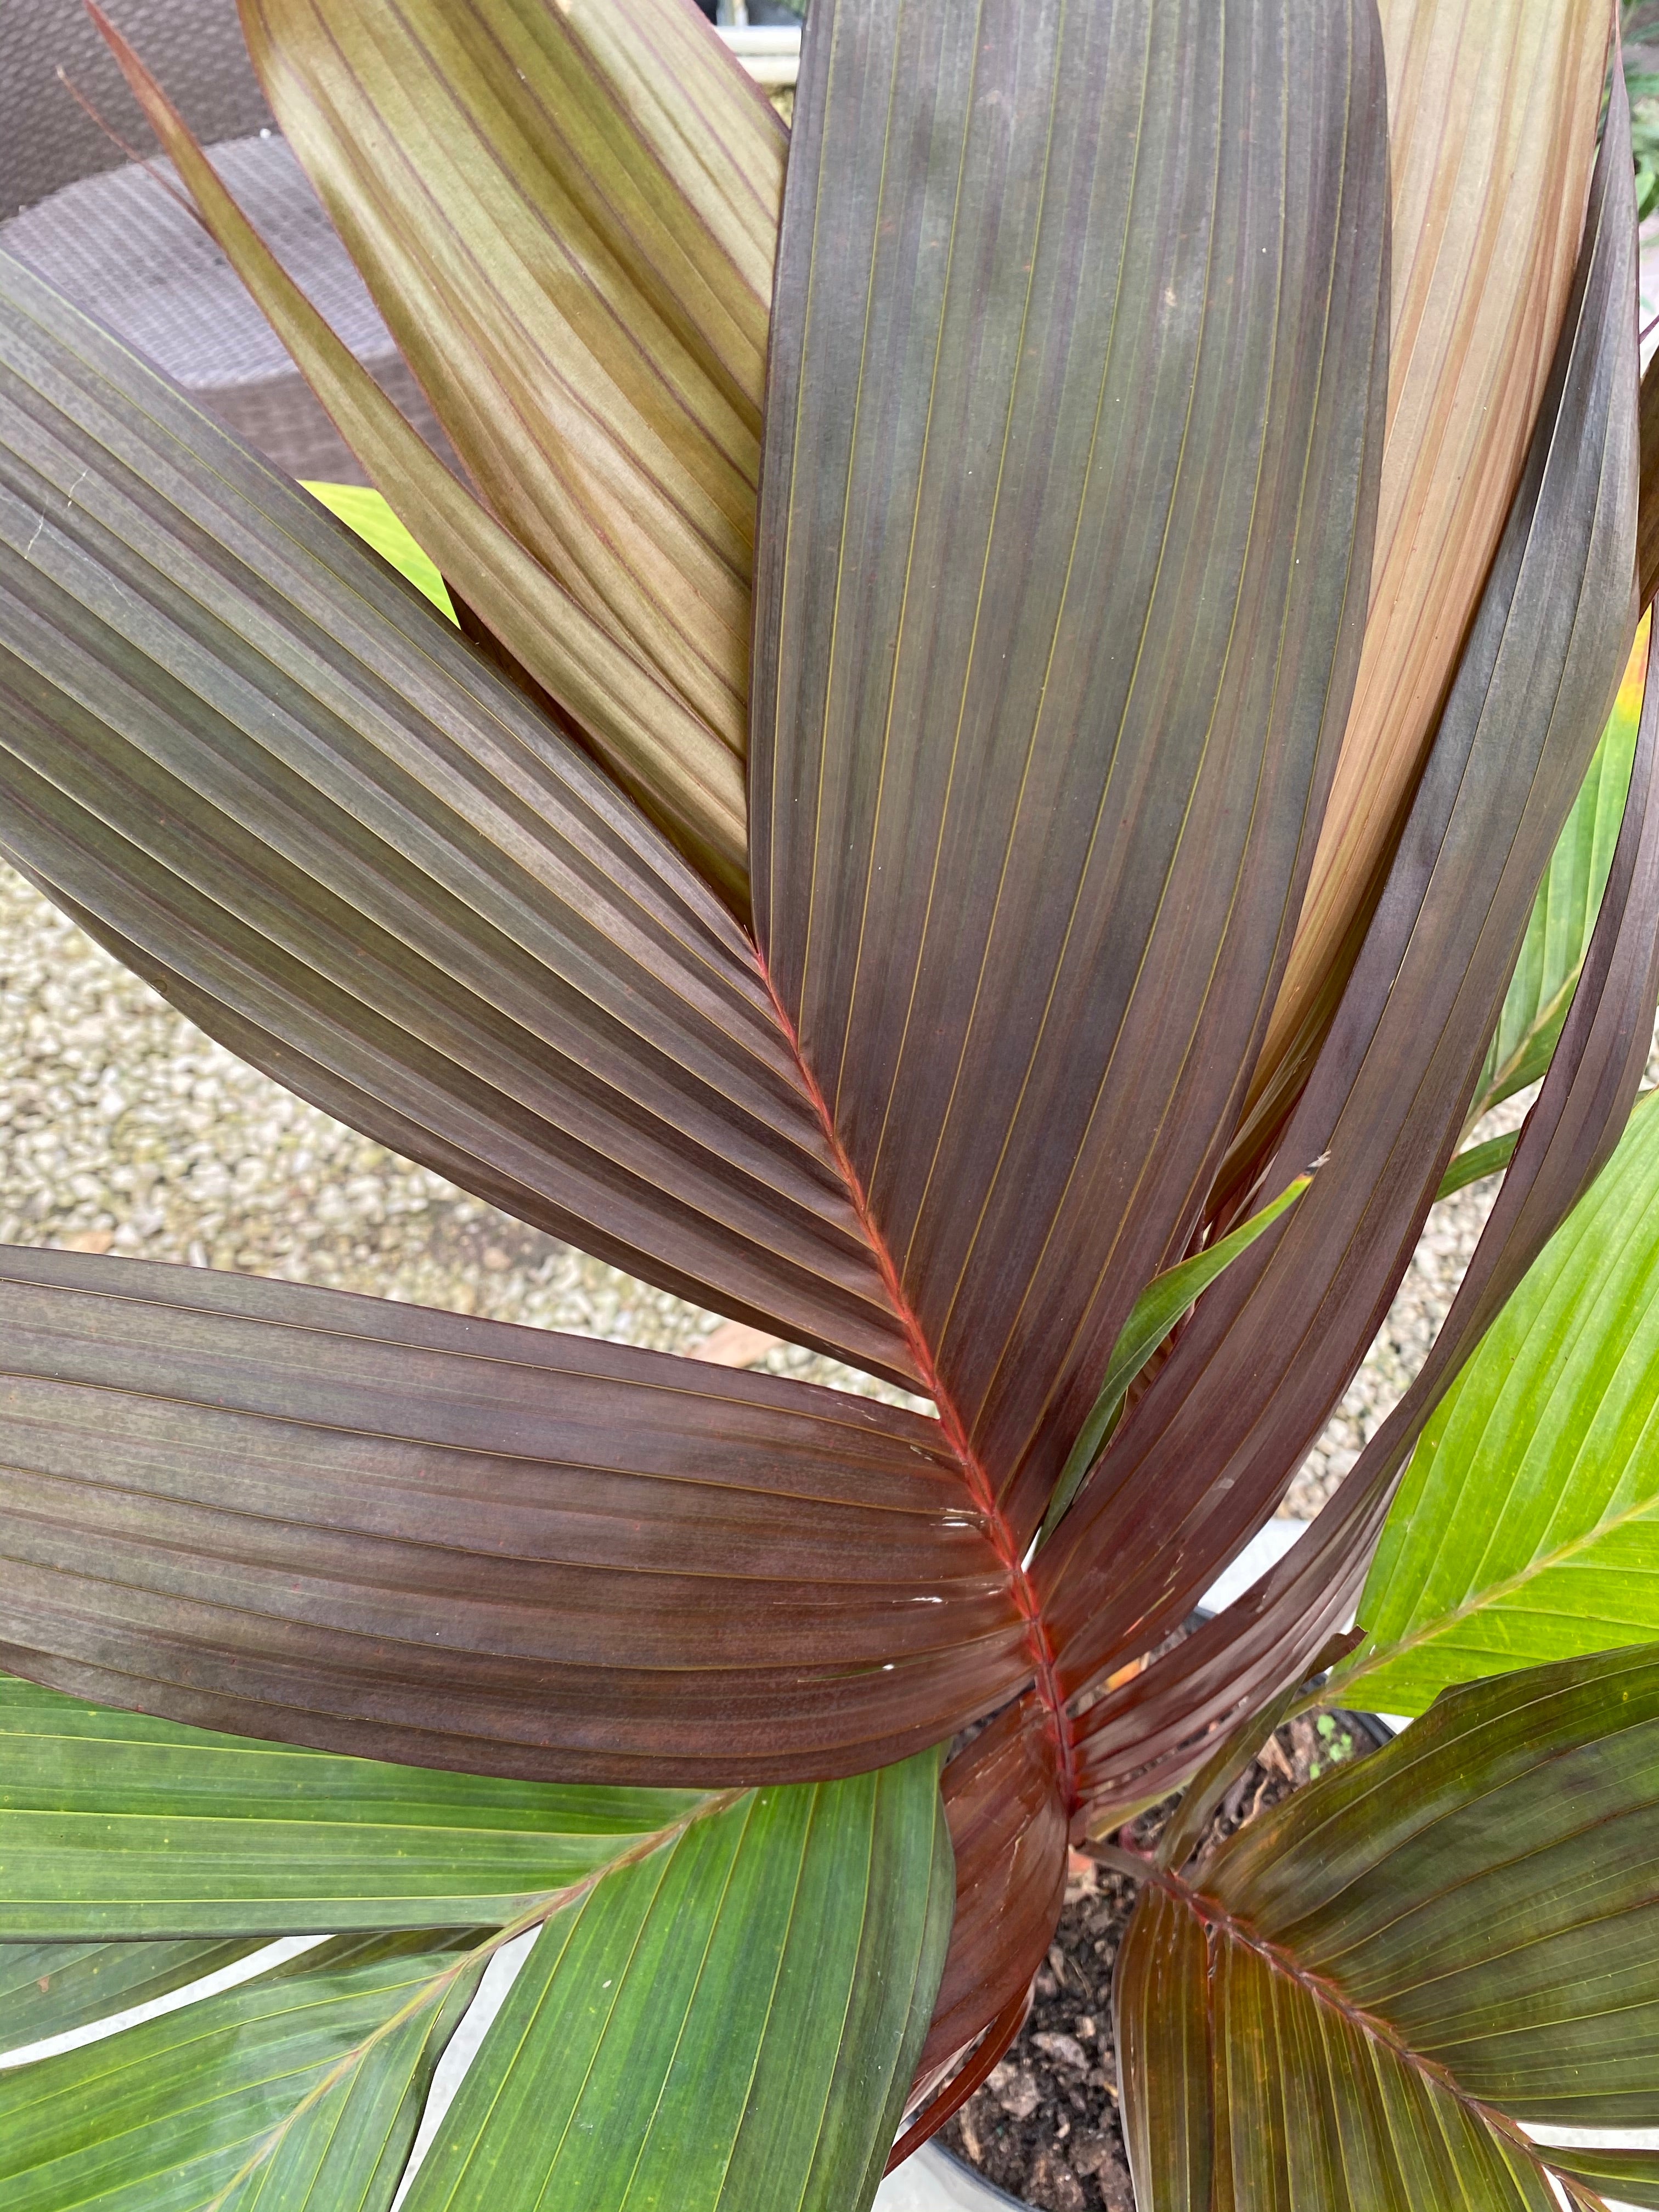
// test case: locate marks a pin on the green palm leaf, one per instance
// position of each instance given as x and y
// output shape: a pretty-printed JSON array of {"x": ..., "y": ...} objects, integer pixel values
[
  {"x": 1564, "y": 913},
  {"x": 48, "y": 1989},
  {"x": 727, "y": 2025},
  {"x": 301, "y": 2089},
  {"x": 112, "y": 1825},
  {"x": 1527, "y": 1527},
  {"x": 722, "y": 2011}
]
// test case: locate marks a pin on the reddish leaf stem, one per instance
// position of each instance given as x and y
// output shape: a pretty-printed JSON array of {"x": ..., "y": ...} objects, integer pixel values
[
  {"x": 975, "y": 2069},
  {"x": 980, "y": 1488}
]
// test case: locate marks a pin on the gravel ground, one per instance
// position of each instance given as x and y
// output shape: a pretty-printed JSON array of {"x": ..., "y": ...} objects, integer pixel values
[
  {"x": 124, "y": 1129},
  {"x": 1420, "y": 1304}
]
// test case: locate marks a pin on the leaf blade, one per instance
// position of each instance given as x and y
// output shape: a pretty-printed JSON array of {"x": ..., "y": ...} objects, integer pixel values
[
  {"x": 1423, "y": 1940},
  {"x": 730, "y": 1964},
  {"x": 203, "y": 2107},
  {"x": 1564, "y": 914},
  {"x": 1208, "y": 1448},
  {"x": 584, "y": 299},
  {"x": 1522, "y": 1529},
  {"x": 1155, "y": 1313},
  {"x": 679, "y": 772},
  {"x": 114, "y": 1825},
  {"x": 391, "y": 1532},
  {"x": 367, "y": 513},
  {"x": 1487, "y": 209},
  {"x": 47, "y": 1988},
  {"x": 277, "y": 774},
  {"x": 960, "y": 501}
]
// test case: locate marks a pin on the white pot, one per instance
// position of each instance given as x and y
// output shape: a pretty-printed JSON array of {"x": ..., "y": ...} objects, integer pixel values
[{"x": 933, "y": 2181}]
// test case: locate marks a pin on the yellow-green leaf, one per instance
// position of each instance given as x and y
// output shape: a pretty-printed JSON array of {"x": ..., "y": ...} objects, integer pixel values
[{"x": 365, "y": 511}]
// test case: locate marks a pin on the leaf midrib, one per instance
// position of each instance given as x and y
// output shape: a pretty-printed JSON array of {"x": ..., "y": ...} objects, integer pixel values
[
  {"x": 1493, "y": 1594},
  {"x": 1218, "y": 1920}
]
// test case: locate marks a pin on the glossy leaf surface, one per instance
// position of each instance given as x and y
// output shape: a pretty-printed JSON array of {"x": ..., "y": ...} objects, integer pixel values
[
  {"x": 1065, "y": 528},
  {"x": 1207, "y": 1451},
  {"x": 399, "y": 1534},
  {"x": 1525, "y": 1527},
  {"x": 273, "y": 772},
  {"x": 112, "y": 1824},
  {"x": 1358, "y": 1998},
  {"x": 1622, "y": 2176},
  {"x": 235, "y": 2102},
  {"x": 1647, "y": 549},
  {"x": 1268, "y": 1637},
  {"x": 1006, "y": 1804},
  {"x": 48, "y": 1989},
  {"x": 1476, "y": 1162},
  {"x": 683, "y": 774},
  {"x": 568, "y": 216},
  {"x": 1493, "y": 114},
  {"x": 1564, "y": 913},
  {"x": 731, "y": 2023}
]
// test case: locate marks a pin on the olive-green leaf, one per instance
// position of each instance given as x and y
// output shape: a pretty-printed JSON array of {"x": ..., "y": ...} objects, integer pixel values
[
  {"x": 1477, "y": 1162},
  {"x": 568, "y": 216},
  {"x": 1564, "y": 913},
  {"x": 729, "y": 2024},
  {"x": 112, "y": 1825},
  {"x": 1528, "y": 1525},
  {"x": 47, "y": 1988},
  {"x": 299, "y": 2092},
  {"x": 1155, "y": 1313},
  {"x": 654, "y": 743},
  {"x": 1363, "y": 1999},
  {"x": 1624, "y": 2177}
]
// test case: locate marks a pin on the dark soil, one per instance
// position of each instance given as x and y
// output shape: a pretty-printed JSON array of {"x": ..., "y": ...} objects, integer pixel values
[{"x": 1045, "y": 2125}]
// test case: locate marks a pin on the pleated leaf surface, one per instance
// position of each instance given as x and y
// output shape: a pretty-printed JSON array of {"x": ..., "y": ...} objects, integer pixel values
[
  {"x": 1492, "y": 113},
  {"x": 402, "y": 1534},
  {"x": 1353, "y": 2004},
  {"x": 729, "y": 2024},
  {"x": 1077, "y": 366},
  {"x": 1564, "y": 913},
  {"x": 656, "y": 745},
  {"x": 114, "y": 1824},
  {"x": 568, "y": 216},
  {"x": 279, "y": 782},
  {"x": 1528, "y": 1525},
  {"x": 49, "y": 1989},
  {"x": 301, "y": 2089}
]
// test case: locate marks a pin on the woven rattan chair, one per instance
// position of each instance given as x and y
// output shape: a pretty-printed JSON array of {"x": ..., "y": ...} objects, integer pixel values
[{"x": 104, "y": 230}]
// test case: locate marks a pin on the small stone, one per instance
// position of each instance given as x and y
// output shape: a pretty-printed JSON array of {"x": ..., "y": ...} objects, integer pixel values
[
  {"x": 1116, "y": 2190},
  {"x": 1089, "y": 2154},
  {"x": 87, "y": 1240},
  {"x": 1015, "y": 2089},
  {"x": 1064, "y": 2049},
  {"x": 1052, "y": 2186}
]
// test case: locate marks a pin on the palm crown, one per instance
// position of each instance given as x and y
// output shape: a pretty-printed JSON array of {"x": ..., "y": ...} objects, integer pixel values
[{"x": 1000, "y": 722}]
